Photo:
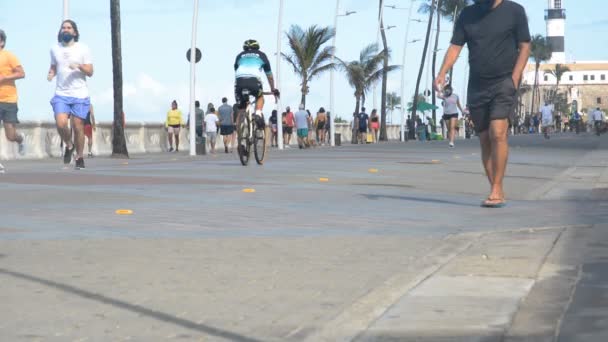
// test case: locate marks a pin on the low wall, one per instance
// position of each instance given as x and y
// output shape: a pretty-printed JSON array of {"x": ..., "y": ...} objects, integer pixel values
[{"x": 43, "y": 141}]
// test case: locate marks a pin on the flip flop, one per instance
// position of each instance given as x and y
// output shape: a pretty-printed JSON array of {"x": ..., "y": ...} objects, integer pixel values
[{"x": 494, "y": 203}]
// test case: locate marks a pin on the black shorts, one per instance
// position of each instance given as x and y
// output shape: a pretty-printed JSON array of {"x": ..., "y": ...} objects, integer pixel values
[
  {"x": 491, "y": 100},
  {"x": 226, "y": 129},
  {"x": 362, "y": 129},
  {"x": 244, "y": 87},
  {"x": 448, "y": 117},
  {"x": 288, "y": 130}
]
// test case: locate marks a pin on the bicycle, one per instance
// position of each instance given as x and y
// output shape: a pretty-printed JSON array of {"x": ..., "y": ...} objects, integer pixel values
[{"x": 245, "y": 128}]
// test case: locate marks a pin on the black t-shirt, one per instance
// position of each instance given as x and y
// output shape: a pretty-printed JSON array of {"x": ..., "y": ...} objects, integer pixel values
[
  {"x": 493, "y": 38},
  {"x": 363, "y": 120}
]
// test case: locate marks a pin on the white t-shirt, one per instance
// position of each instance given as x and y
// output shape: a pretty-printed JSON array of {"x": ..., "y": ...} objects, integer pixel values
[
  {"x": 598, "y": 115},
  {"x": 450, "y": 105},
  {"x": 546, "y": 113},
  {"x": 70, "y": 82},
  {"x": 211, "y": 121},
  {"x": 301, "y": 119}
]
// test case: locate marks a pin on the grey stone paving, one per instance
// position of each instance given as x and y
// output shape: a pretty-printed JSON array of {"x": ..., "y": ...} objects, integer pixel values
[{"x": 401, "y": 254}]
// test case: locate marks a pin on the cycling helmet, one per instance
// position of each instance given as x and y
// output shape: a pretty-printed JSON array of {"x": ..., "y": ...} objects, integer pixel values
[{"x": 251, "y": 44}]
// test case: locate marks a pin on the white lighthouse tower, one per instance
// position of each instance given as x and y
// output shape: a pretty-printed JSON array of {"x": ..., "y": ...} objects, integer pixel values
[{"x": 555, "y": 16}]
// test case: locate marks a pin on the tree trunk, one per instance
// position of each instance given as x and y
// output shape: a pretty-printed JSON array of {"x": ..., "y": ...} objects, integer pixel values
[
  {"x": 434, "y": 71},
  {"x": 383, "y": 136},
  {"x": 119, "y": 144},
  {"x": 534, "y": 90},
  {"x": 424, "y": 51},
  {"x": 355, "y": 128}
]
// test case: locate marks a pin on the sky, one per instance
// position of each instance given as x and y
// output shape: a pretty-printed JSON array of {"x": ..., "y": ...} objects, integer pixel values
[{"x": 156, "y": 35}]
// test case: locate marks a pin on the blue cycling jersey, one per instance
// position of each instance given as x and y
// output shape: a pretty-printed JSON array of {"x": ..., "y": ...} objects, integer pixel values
[{"x": 252, "y": 63}]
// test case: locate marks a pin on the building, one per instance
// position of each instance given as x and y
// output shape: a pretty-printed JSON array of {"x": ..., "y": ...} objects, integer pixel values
[{"x": 584, "y": 86}]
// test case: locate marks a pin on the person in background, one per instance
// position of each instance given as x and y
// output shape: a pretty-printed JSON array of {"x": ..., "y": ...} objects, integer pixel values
[
  {"x": 321, "y": 120},
  {"x": 211, "y": 125},
  {"x": 89, "y": 127},
  {"x": 451, "y": 105},
  {"x": 10, "y": 71},
  {"x": 374, "y": 124},
  {"x": 173, "y": 124},
  {"x": 301, "y": 121},
  {"x": 274, "y": 128},
  {"x": 226, "y": 123}
]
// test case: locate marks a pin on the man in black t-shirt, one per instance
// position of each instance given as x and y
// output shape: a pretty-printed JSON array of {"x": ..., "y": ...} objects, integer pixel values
[{"x": 497, "y": 35}]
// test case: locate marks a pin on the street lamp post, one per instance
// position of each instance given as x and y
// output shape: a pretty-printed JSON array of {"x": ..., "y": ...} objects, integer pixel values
[
  {"x": 66, "y": 9},
  {"x": 332, "y": 116},
  {"x": 278, "y": 77},
  {"x": 380, "y": 19},
  {"x": 405, "y": 43},
  {"x": 193, "y": 80}
]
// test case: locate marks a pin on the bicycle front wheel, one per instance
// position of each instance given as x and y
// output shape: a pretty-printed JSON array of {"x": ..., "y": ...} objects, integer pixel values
[
  {"x": 259, "y": 144},
  {"x": 243, "y": 144}
]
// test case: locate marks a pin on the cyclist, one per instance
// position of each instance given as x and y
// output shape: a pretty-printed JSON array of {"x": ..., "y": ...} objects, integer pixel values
[{"x": 249, "y": 66}]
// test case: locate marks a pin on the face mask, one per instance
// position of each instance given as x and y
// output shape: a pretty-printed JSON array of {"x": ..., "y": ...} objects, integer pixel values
[
  {"x": 66, "y": 37},
  {"x": 485, "y": 4},
  {"x": 447, "y": 93}
]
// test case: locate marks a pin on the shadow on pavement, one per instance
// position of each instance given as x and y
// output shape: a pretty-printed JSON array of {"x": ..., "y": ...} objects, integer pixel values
[
  {"x": 419, "y": 199},
  {"x": 161, "y": 316}
]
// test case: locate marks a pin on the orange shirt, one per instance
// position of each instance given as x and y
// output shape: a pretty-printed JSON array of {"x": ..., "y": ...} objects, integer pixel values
[{"x": 8, "y": 90}]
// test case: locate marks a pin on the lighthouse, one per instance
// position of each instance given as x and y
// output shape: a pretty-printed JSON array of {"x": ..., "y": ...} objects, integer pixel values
[{"x": 555, "y": 16}]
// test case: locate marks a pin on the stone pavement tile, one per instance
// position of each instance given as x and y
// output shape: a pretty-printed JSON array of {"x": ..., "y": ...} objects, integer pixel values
[{"x": 268, "y": 289}]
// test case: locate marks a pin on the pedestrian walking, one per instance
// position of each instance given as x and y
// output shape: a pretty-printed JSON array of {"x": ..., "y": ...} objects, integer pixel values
[
  {"x": 301, "y": 120},
  {"x": 274, "y": 128},
  {"x": 498, "y": 39},
  {"x": 451, "y": 105},
  {"x": 10, "y": 71},
  {"x": 363, "y": 121},
  {"x": 226, "y": 123},
  {"x": 546, "y": 119},
  {"x": 374, "y": 125},
  {"x": 211, "y": 126},
  {"x": 71, "y": 62},
  {"x": 289, "y": 125},
  {"x": 598, "y": 120},
  {"x": 321, "y": 120},
  {"x": 89, "y": 128},
  {"x": 173, "y": 124}
]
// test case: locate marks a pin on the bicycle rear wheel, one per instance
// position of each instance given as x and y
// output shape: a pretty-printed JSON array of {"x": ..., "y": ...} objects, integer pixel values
[
  {"x": 243, "y": 144},
  {"x": 259, "y": 143}
]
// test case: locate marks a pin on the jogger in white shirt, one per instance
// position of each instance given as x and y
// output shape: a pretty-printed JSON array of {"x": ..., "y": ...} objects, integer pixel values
[{"x": 71, "y": 63}]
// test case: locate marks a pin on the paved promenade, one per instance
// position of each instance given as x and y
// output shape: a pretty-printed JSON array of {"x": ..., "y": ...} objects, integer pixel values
[{"x": 358, "y": 243}]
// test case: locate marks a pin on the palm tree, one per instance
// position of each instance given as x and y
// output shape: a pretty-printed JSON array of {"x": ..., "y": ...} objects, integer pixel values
[
  {"x": 362, "y": 74},
  {"x": 558, "y": 73},
  {"x": 309, "y": 58},
  {"x": 424, "y": 51},
  {"x": 541, "y": 52},
  {"x": 119, "y": 144}
]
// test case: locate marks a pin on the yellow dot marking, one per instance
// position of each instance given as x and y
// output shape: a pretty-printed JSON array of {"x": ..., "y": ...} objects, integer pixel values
[
  {"x": 373, "y": 170},
  {"x": 435, "y": 161},
  {"x": 124, "y": 212},
  {"x": 323, "y": 179},
  {"x": 125, "y": 163},
  {"x": 249, "y": 190}
]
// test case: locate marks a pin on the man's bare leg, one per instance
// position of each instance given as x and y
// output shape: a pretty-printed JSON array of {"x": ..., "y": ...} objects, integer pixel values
[
  {"x": 61, "y": 120},
  {"x": 498, "y": 134},
  {"x": 11, "y": 133},
  {"x": 78, "y": 125}
]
